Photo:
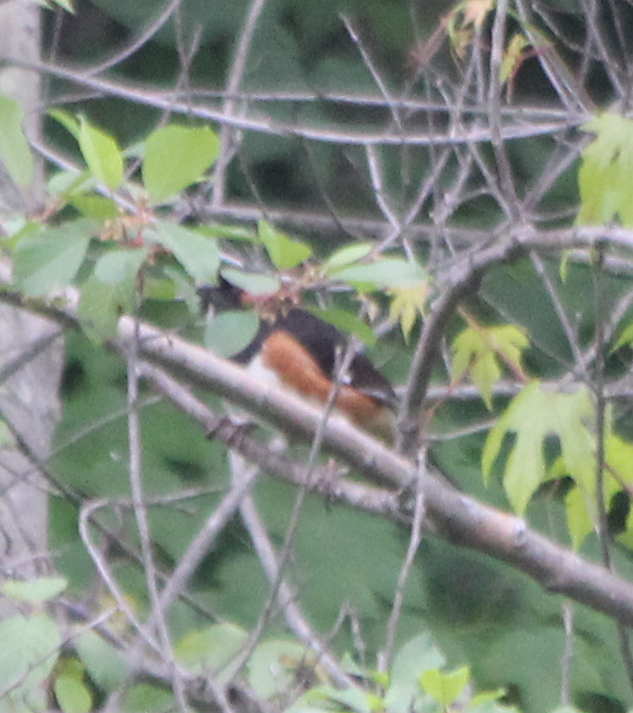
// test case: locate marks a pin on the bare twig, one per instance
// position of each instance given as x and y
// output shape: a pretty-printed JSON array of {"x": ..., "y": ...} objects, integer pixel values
[
  {"x": 139, "y": 41},
  {"x": 415, "y": 539},
  {"x": 230, "y": 137}
]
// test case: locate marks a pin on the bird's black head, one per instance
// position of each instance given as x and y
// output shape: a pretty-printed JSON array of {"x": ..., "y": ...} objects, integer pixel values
[{"x": 221, "y": 297}]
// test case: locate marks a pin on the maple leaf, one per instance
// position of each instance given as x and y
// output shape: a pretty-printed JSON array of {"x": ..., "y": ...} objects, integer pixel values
[
  {"x": 475, "y": 12},
  {"x": 605, "y": 178},
  {"x": 513, "y": 56},
  {"x": 532, "y": 416},
  {"x": 407, "y": 304},
  {"x": 466, "y": 18},
  {"x": 481, "y": 350}
]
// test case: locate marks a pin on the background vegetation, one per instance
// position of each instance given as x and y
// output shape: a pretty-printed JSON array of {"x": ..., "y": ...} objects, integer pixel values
[{"x": 450, "y": 184}]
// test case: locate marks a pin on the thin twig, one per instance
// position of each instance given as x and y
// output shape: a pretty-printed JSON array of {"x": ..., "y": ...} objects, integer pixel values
[
  {"x": 568, "y": 653},
  {"x": 415, "y": 540},
  {"x": 230, "y": 137},
  {"x": 139, "y": 41}
]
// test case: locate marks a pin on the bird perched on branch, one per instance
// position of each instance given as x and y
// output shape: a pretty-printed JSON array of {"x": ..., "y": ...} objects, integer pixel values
[{"x": 300, "y": 351}]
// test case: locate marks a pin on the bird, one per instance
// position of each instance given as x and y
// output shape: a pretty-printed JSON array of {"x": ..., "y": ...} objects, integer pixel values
[{"x": 300, "y": 351}]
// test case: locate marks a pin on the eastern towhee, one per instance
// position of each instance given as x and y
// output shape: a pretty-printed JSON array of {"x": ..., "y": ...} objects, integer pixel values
[{"x": 299, "y": 350}]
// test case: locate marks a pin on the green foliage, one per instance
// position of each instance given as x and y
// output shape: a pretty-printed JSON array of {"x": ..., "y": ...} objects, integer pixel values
[
  {"x": 34, "y": 591},
  {"x": 407, "y": 305},
  {"x": 118, "y": 266},
  {"x": 347, "y": 322},
  {"x": 108, "y": 270},
  {"x": 96, "y": 207},
  {"x": 71, "y": 692},
  {"x": 64, "y": 4},
  {"x": 382, "y": 273},
  {"x": 197, "y": 254},
  {"x": 251, "y": 283},
  {"x": 514, "y": 55},
  {"x": 445, "y": 687},
  {"x": 49, "y": 259},
  {"x": 15, "y": 153},
  {"x": 533, "y": 415},
  {"x": 102, "y": 303},
  {"x": 102, "y": 154},
  {"x": 103, "y": 662},
  {"x": 625, "y": 338},
  {"x": 581, "y": 506},
  {"x": 284, "y": 252},
  {"x": 347, "y": 255},
  {"x": 419, "y": 655},
  {"x": 176, "y": 157},
  {"x": 211, "y": 650},
  {"x": 126, "y": 253},
  {"x": 230, "y": 332},
  {"x": 27, "y": 658},
  {"x": 606, "y": 172},
  {"x": 276, "y": 665},
  {"x": 480, "y": 349},
  {"x": 416, "y": 681}
]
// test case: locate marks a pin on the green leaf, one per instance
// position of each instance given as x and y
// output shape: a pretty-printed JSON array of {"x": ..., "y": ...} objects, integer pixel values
[
  {"x": 208, "y": 650},
  {"x": 513, "y": 56},
  {"x": 198, "y": 255},
  {"x": 14, "y": 148},
  {"x": 101, "y": 304},
  {"x": 229, "y": 232},
  {"x": 65, "y": 5},
  {"x": 445, "y": 687},
  {"x": 143, "y": 698},
  {"x": 485, "y": 698},
  {"x": 580, "y": 504},
  {"x": 606, "y": 173},
  {"x": 120, "y": 265},
  {"x": 30, "y": 647},
  {"x": 533, "y": 415},
  {"x": 251, "y": 283},
  {"x": 67, "y": 120},
  {"x": 66, "y": 184},
  {"x": 102, "y": 154},
  {"x": 481, "y": 349},
  {"x": 579, "y": 520},
  {"x": 619, "y": 458},
  {"x": 619, "y": 474},
  {"x": 104, "y": 663},
  {"x": 413, "y": 659},
  {"x": 50, "y": 5},
  {"x": 274, "y": 665},
  {"x": 407, "y": 304},
  {"x": 346, "y": 256},
  {"x": 50, "y": 259},
  {"x": 322, "y": 698},
  {"x": 16, "y": 228},
  {"x": 284, "y": 252},
  {"x": 177, "y": 156},
  {"x": 35, "y": 591},
  {"x": 97, "y": 207},
  {"x": 230, "y": 332},
  {"x": 385, "y": 272},
  {"x": 157, "y": 288},
  {"x": 625, "y": 338},
  {"x": 346, "y": 322},
  {"x": 72, "y": 694}
]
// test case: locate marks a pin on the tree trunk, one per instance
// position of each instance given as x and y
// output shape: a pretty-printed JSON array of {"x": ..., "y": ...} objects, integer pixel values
[{"x": 30, "y": 355}]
